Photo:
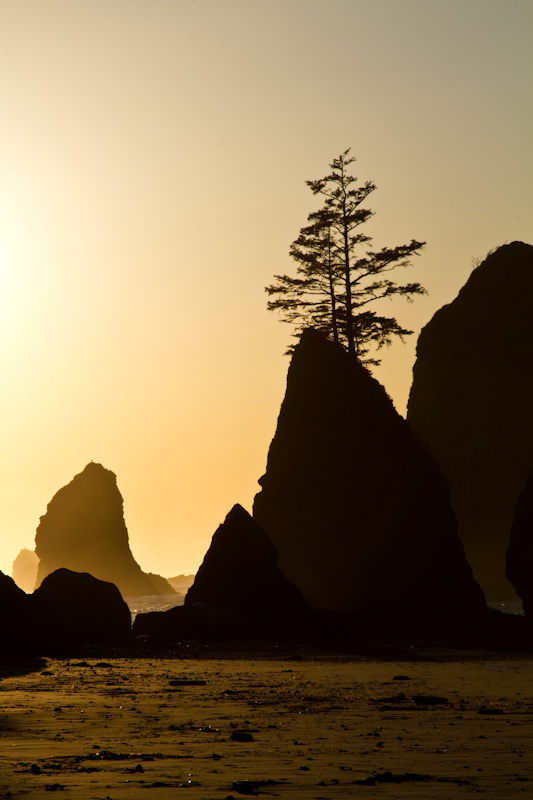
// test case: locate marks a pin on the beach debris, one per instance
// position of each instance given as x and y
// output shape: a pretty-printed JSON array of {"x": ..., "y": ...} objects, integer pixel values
[
  {"x": 429, "y": 700},
  {"x": 389, "y": 777},
  {"x": 488, "y": 710},
  {"x": 406, "y": 777},
  {"x": 252, "y": 787},
  {"x": 241, "y": 736}
]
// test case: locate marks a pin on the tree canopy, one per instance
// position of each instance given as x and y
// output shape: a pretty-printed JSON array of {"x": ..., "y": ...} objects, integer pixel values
[{"x": 338, "y": 277}]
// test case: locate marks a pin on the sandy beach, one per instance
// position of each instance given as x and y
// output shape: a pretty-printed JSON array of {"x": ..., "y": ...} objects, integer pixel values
[{"x": 295, "y": 728}]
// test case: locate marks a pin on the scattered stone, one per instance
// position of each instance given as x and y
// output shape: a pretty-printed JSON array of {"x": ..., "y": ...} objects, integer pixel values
[
  {"x": 389, "y": 777},
  {"x": 184, "y": 682},
  {"x": 241, "y": 736},
  {"x": 429, "y": 700},
  {"x": 251, "y": 787}
]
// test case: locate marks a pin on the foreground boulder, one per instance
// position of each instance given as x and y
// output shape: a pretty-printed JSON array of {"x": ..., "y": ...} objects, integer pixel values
[
  {"x": 84, "y": 530},
  {"x": 358, "y": 512},
  {"x": 71, "y": 607},
  {"x": 471, "y": 401},
  {"x": 15, "y": 633},
  {"x": 239, "y": 572}
]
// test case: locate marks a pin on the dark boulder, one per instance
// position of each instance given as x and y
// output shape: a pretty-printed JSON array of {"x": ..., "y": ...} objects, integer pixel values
[
  {"x": 15, "y": 630},
  {"x": 239, "y": 573},
  {"x": 84, "y": 530},
  {"x": 471, "y": 400},
  {"x": 358, "y": 512},
  {"x": 72, "y": 607},
  {"x": 197, "y": 621}
]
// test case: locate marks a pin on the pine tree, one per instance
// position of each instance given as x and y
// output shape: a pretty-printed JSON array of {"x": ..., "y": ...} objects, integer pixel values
[{"x": 335, "y": 282}]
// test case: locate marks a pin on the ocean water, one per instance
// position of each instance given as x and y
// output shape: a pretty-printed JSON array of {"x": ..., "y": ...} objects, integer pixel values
[
  {"x": 153, "y": 602},
  {"x": 162, "y": 602}
]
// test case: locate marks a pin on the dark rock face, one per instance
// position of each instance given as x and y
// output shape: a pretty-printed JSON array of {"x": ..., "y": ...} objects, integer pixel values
[
  {"x": 84, "y": 530},
  {"x": 358, "y": 512},
  {"x": 239, "y": 573},
  {"x": 471, "y": 402},
  {"x": 71, "y": 607},
  {"x": 520, "y": 552},
  {"x": 25, "y": 569},
  {"x": 14, "y": 617},
  {"x": 196, "y": 621}
]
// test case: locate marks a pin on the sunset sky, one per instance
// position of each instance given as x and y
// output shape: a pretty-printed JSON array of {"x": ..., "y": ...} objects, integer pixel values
[{"x": 153, "y": 159}]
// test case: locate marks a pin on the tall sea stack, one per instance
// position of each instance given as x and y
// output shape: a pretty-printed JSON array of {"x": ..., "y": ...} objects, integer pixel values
[
  {"x": 358, "y": 512},
  {"x": 84, "y": 530},
  {"x": 471, "y": 404}
]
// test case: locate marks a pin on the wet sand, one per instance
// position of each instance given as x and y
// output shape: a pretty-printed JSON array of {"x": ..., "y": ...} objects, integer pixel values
[{"x": 215, "y": 729}]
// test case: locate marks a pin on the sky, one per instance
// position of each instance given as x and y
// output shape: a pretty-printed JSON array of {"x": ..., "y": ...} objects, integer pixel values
[{"x": 153, "y": 159}]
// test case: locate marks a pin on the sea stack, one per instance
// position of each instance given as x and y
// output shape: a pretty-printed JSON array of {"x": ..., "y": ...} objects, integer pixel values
[
  {"x": 357, "y": 510},
  {"x": 239, "y": 573},
  {"x": 25, "y": 568},
  {"x": 520, "y": 551},
  {"x": 84, "y": 530},
  {"x": 471, "y": 404}
]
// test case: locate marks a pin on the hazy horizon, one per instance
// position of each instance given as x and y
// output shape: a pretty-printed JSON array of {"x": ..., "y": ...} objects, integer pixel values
[{"x": 154, "y": 155}]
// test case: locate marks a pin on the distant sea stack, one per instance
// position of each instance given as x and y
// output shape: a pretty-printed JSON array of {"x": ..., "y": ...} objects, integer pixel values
[
  {"x": 471, "y": 404},
  {"x": 84, "y": 530},
  {"x": 358, "y": 512},
  {"x": 25, "y": 568}
]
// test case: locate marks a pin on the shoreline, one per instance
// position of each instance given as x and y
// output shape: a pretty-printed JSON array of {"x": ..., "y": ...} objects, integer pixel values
[{"x": 291, "y": 726}]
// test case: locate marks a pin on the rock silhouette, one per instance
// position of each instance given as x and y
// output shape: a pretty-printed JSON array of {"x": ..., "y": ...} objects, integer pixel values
[
  {"x": 471, "y": 401},
  {"x": 84, "y": 530},
  {"x": 520, "y": 552},
  {"x": 239, "y": 572},
  {"x": 358, "y": 512},
  {"x": 71, "y": 607},
  {"x": 25, "y": 569},
  {"x": 238, "y": 590},
  {"x": 14, "y": 616}
]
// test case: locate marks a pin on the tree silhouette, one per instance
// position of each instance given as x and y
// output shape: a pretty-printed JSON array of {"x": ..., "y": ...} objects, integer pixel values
[{"x": 335, "y": 282}]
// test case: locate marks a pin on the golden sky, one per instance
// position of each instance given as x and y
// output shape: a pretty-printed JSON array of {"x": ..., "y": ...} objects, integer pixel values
[{"x": 153, "y": 158}]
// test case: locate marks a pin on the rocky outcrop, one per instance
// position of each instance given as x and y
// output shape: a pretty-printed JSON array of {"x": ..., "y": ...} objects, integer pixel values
[
  {"x": 84, "y": 530},
  {"x": 15, "y": 633},
  {"x": 471, "y": 401},
  {"x": 72, "y": 607},
  {"x": 25, "y": 569},
  {"x": 520, "y": 552},
  {"x": 69, "y": 608},
  {"x": 237, "y": 592},
  {"x": 239, "y": 573},
  {"x": 358, "y": 512}
]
